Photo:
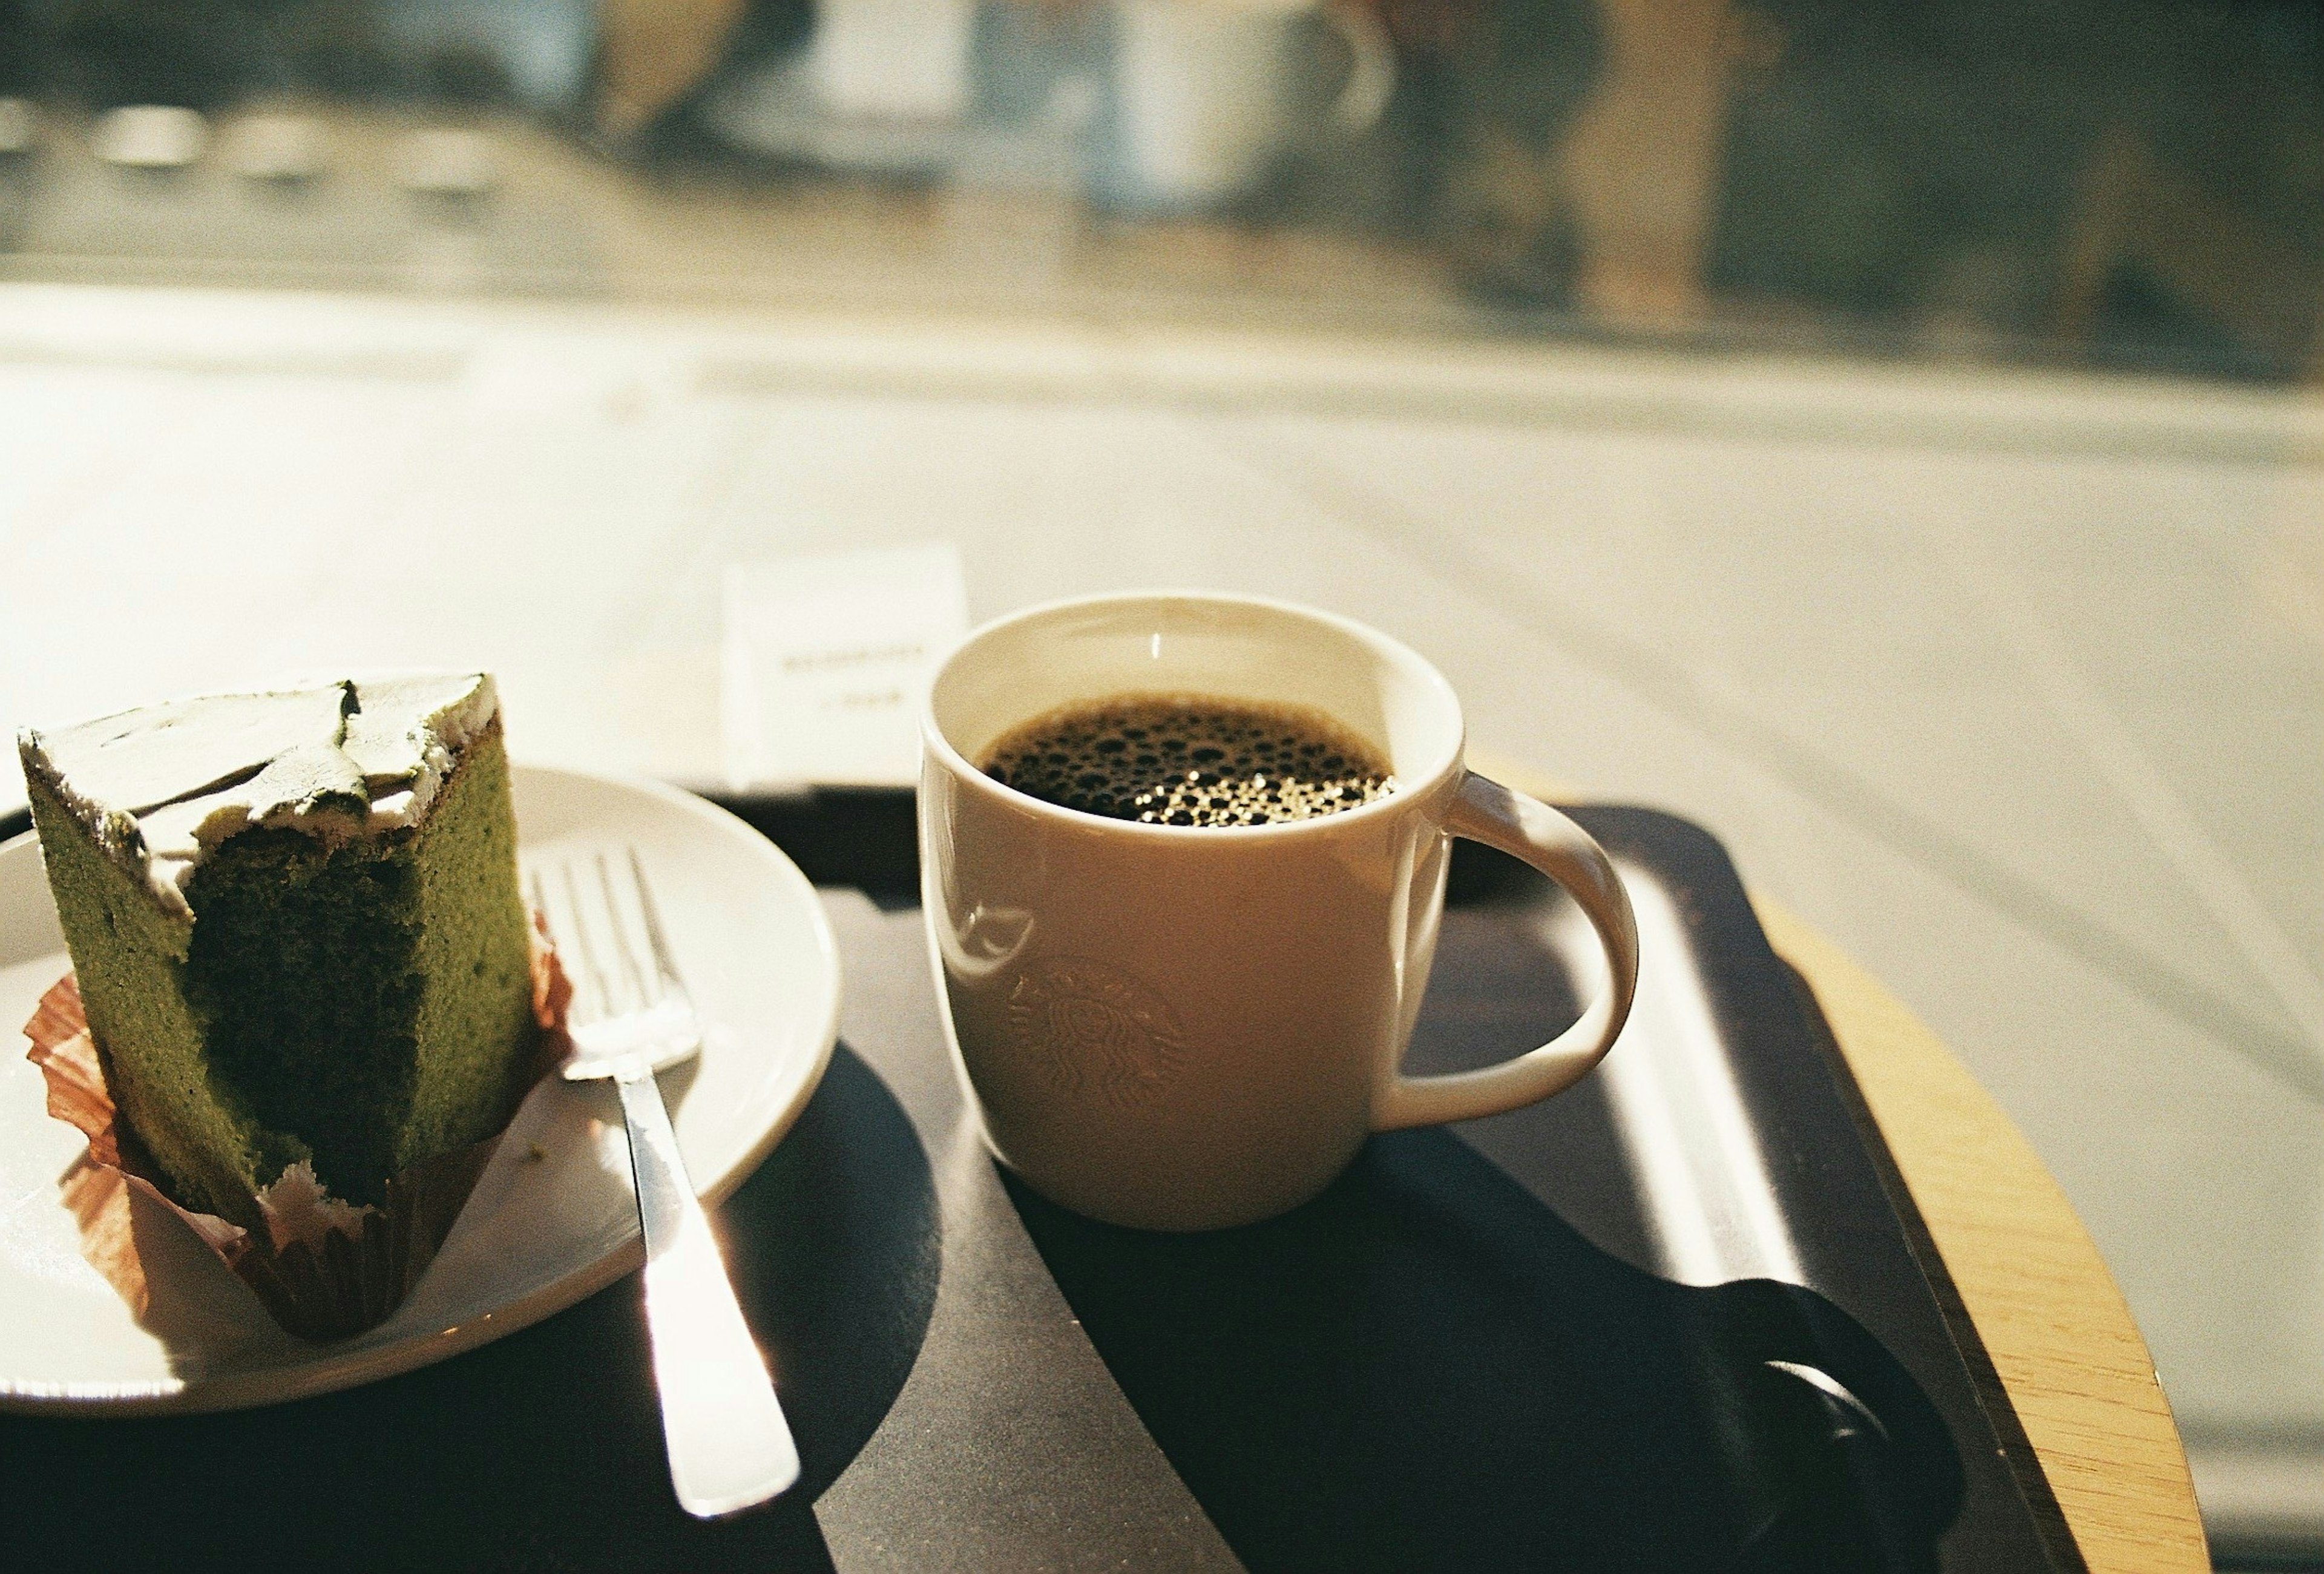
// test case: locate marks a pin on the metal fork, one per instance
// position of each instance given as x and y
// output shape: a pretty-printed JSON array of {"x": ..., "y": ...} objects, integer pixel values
[{"x": 728, "y": 1443}]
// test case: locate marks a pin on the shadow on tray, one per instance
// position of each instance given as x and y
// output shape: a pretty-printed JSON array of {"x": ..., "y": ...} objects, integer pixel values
[
  {"x": 542, "y": 1449},
  {"x": 1428, "y": 1367}
]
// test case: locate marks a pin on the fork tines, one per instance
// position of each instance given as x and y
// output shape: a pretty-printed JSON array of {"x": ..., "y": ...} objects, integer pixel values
[{"x": 609, "y": 930}]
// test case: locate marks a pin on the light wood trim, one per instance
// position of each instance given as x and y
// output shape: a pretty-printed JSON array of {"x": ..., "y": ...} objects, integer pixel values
[
  {"x": 2050, "y": 1314},
  {"x": 2052, "y": 1318}
]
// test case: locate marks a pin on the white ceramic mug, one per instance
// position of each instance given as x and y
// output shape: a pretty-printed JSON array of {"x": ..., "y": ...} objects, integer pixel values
[
  {"x": 892, "y": 60},
  {"x": 1182, "y": 1027},
  {"x": 1207, "y": 92}
]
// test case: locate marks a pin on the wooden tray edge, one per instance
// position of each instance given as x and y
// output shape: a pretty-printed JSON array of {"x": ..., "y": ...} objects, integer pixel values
[{"x": 2050, "y": 1316}]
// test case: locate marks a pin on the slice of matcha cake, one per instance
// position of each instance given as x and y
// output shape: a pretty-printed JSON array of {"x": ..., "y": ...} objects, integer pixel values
[{"x": 296, "y": 924}]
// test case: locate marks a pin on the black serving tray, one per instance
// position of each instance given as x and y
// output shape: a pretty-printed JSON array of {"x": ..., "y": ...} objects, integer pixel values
[{"x": 1474, "y": 1351}]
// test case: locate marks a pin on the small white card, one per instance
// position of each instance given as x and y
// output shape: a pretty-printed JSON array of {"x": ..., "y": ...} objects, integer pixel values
[{"x": 826, "y": 659}]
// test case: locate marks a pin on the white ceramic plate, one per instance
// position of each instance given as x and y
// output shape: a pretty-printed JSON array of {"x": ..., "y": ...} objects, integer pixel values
[{"x": 551, "y": 1220}]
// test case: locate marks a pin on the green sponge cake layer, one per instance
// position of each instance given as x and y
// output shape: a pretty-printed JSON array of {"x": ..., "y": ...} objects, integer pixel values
[{"x": 296, "y": 923}]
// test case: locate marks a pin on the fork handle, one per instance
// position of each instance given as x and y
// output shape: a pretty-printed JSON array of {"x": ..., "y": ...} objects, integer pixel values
[{"x": 729, "y": 1446}]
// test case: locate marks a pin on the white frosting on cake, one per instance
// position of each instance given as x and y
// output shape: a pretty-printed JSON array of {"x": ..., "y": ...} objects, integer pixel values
[{"x": 160, "y": 787}]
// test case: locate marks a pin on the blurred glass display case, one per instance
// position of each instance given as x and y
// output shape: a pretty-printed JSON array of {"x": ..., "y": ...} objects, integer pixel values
[{"x": 2137, "y": 185}]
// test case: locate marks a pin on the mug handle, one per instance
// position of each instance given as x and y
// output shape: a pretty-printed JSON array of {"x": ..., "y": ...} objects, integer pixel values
[
  {"x": 1371, "y": 72},
  {"x": 1485, "y": 811}
]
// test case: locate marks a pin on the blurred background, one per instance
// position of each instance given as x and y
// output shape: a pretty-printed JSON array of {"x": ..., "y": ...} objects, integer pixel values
[
  {"x": 1889, "y": 432},
  {"x": 2134, "y": 185}
]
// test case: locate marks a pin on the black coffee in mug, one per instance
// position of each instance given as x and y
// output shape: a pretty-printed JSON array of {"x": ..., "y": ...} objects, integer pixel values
[{"x": 1190, "y": 759}]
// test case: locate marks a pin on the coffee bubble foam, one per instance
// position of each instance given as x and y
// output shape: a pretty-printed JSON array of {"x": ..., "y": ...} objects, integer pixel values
[{"x": 1191, "y": 761}]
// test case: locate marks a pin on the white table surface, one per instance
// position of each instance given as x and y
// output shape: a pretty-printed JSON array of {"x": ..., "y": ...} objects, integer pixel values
[{"x": 2013, "y": 684}]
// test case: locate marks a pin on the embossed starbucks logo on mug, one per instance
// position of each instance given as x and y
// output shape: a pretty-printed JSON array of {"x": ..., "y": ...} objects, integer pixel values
[{"x": 1098, "y": 1029}]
